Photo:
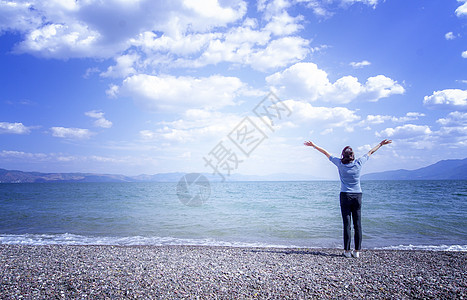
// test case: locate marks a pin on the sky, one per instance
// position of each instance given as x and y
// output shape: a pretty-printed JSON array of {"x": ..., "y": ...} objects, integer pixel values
[{"x": 229, "y": 86}]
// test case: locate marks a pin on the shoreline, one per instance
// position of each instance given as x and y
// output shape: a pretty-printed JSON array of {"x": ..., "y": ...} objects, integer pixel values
[
  {"x": 69, "y": 239},
  {"x": 74, "y": 271}
]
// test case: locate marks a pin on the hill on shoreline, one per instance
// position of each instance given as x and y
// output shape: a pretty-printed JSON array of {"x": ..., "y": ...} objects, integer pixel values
[
  {"x": 450, "y": 169},
  {"x": 15, "y": 176}
]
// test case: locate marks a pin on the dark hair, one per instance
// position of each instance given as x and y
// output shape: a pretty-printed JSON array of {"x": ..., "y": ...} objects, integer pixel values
[{"x": 347, "y": 155}]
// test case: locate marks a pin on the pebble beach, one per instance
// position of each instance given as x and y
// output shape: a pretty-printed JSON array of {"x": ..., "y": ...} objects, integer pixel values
[{"x": 191, "y": 272}]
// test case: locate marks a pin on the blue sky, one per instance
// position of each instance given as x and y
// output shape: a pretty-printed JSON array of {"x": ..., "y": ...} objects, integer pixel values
[{"x": 143, "y": 87}]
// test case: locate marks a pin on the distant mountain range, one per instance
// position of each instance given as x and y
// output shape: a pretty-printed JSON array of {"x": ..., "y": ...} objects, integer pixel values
[
  {"x": 451, "y": 169},
  {"x": 14, "y": 176}
]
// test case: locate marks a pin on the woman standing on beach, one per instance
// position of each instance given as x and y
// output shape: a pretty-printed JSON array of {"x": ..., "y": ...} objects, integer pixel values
[{"x": 351, "y": 191}]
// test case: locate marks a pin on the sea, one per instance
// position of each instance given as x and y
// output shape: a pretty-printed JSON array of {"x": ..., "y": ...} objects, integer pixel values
[{"x": 406, "y": 215}]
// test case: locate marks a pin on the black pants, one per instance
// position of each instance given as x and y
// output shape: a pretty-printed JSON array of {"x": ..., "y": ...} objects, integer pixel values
[{"x": 351, "y": 208}]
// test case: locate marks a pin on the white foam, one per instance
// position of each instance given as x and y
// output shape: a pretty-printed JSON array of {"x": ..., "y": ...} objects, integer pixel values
[
  {"x": 73, "y": 239},
  {"x": 426, "y": 247}
]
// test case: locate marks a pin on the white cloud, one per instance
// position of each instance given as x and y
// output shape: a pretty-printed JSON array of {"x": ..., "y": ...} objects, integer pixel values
[
  {"x": 235, "y": 46},
  {"x": 380, "y": 119},
  {"x": 123, "y": 68},
  {"x": 100, "y": 120},
  {"x": 71, "y": 133},
  {"x": 326, "y": 8},
  {"x": 453, "y": 137},
  {"x": 53, "y": 157},
  {"x": 279, "y": 53},
  {"x": 13, "y": 128},
  {"x": 90, "y": 71},
  {"x": 147, "y": 134},
  {"x": 112, "y": 91},
  {"x": 375, "y": 119},
  {"x": 344, "y": 90},
  {"x": 150, "y": 43},
  {"x": 380, "y": 86},
  {"x": 449, "y": 99},
  {"x": 174, "y": 93},
  {"x": 464, "y": 54},
  {"x": 454, "y": 119},
  {"x": 410, "y": 116},
  {"x": 103, "y": 123},
  {"x": 189, "y": 33},
  {"x": 303, "y": 80},
  {"x": 361, "y": 64},
  {"x": 94, "y": 114},
  {"x": 324, "y": 117},
  {"x": 22, "y": 155},
  {"x": 318, "y": 8},
  {"x": 407, "y": 131},
  {"x": 16, "y": 16},
  {"x": 209, "y": 13},
  {"x": 172, "y": 33},
  {"x": 60, "y": 41},
  {"x": 284, "y": 24},
  {"x": 239, "y": 45},
  {"x": 306, "y": 81},
  {"x": 248, "y": 46},
  {"x": 196, "y": 125},
  {"x": 372, "y": 3},
  {"x": 271, "y": 8},
  {"x": 462, "y": 10},
  {"x": 64, "y": 29},
  {"x": 449, "y": 36},
  {"x": 453, "y": 131}
]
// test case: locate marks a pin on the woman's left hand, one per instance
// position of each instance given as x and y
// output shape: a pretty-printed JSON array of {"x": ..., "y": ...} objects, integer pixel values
[{"x": 385, "y": 142}]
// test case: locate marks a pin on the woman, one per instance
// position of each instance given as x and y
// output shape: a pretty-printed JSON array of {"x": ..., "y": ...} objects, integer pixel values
[{"x": 351, "y": 192}]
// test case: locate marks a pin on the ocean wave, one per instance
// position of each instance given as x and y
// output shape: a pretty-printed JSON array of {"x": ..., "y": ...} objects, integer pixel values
[{"x": 75, "y": 239}]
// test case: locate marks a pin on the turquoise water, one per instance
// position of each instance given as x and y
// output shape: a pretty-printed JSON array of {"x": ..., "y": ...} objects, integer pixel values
[{"x": 396, "y": 214}]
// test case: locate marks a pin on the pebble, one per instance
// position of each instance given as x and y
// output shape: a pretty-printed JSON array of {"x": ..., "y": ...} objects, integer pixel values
[{"x": 194, "y": 272}]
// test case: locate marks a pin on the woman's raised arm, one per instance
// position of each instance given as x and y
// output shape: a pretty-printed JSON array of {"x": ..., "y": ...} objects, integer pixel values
[
  {"x": 375, "y": 148},
  {"x": 310, "y": 144}
]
